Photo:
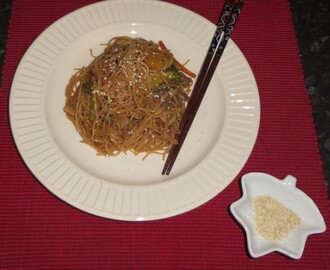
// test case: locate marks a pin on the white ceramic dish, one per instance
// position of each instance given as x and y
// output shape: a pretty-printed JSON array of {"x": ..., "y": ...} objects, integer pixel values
[
  {"x": 285, "y": 191},
  {"x": 125, "y": 187}
]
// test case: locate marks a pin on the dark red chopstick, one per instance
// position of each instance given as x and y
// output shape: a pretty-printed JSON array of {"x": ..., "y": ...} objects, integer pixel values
[{"x": 225, "y": 27}]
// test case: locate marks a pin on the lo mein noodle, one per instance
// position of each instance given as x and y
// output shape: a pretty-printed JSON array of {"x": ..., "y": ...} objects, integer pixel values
[{"x": 129, "y": 98}]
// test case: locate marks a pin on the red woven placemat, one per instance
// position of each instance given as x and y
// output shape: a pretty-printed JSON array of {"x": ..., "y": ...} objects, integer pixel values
[{"x": 39, "y": 231}]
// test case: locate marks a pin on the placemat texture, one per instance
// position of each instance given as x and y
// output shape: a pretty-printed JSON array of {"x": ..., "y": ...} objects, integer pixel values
[{"x": 39, "y": 231}]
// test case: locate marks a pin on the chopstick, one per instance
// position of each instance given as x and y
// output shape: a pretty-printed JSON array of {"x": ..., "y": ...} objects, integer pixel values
[{"x": 226, "y": 23}]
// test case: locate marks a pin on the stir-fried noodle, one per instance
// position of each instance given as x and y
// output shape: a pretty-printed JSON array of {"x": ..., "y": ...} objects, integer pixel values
[{"x": 129, "y": 98}]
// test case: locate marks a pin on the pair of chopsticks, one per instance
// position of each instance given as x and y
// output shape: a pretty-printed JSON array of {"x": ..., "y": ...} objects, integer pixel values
[{"x": 227, "y": 21}]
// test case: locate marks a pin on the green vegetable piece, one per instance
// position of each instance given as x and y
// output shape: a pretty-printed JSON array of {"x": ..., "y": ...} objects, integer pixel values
[
  {"x": 87, "y": 87},
  {"x": 173, "y": 75}
]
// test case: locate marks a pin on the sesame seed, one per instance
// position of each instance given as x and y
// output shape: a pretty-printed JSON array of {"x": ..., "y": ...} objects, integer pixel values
[{"x": 273, "y": 220}]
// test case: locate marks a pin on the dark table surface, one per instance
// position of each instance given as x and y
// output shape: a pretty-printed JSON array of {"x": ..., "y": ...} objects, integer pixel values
[{"x": 312, "y": 23}]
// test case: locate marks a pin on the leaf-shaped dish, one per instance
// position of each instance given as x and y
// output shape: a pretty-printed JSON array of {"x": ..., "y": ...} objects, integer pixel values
[{"x": 284, "y": 191}]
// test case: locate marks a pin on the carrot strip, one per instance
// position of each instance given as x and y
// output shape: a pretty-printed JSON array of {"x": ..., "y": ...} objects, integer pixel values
[
  {"x": 177, "y": 63},
  {"x": 162, "y": 45},
  {"x": 184, "y": 69}
]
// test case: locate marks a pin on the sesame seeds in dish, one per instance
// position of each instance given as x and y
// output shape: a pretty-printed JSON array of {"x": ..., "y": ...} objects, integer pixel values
[{"x": 276, "y": 216}]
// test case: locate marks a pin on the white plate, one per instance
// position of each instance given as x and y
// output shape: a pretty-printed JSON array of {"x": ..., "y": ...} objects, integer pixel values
[{"x": 125, "y": 187}]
